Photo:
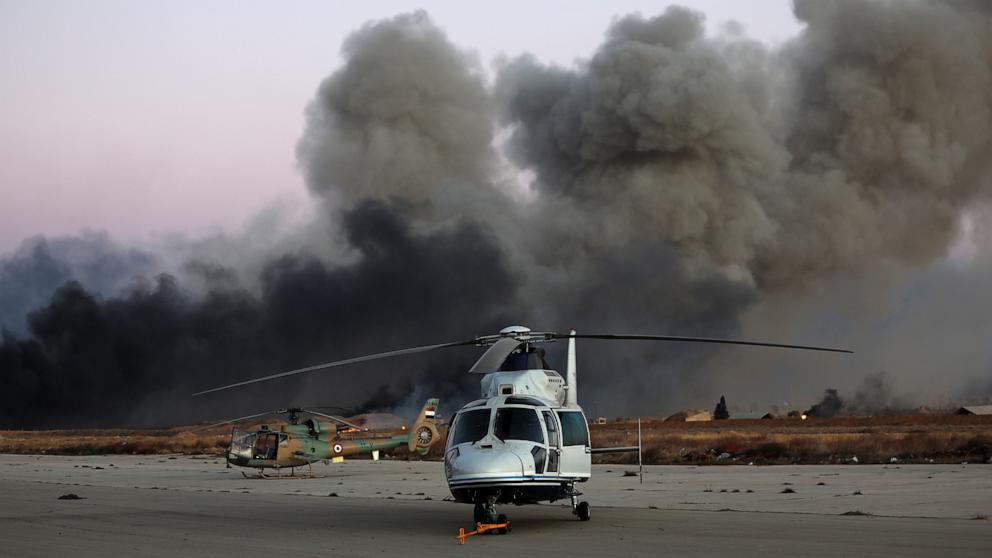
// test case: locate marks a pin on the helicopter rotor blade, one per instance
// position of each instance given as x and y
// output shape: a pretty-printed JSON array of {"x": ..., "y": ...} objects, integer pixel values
[
  {"x": 239, "y": 419},
  {"x": 364, "y": 358},
  {"x": 334, "y": 418},
  {"x": 332, "y": 407},
  {"x": 501, "y": 345},
  {"x": 495, "y": 355},
  {"x": 679, "y": 338}
]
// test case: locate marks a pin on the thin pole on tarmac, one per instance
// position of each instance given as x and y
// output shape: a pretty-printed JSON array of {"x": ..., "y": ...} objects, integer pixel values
[{"x": 640, "y": 463}]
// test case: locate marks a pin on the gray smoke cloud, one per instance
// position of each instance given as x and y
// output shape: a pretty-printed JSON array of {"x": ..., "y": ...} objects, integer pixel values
[
  {"x": 875, "y": 396},
  {"x": 685, "y": 182},
  {"x": 41, "y": 264},
  {"x": 406, "y": 120},
  {"x": 832, "y": 190},
  {"x": 861, "y": 139}
]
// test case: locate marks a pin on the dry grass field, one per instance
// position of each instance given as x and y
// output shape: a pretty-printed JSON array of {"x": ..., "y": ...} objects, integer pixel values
[
  {"x": 103, "y": 442},
  {"x": 922, "y": 438},
  {"x": 916, "y": 438}
]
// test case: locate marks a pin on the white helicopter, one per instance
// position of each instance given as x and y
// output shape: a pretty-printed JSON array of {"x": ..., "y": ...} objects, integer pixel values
[{"x": 526, "y": 440}]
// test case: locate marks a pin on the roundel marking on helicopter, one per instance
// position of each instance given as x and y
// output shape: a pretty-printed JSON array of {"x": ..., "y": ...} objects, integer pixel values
[
  {"x": 337, "y": 448},
  {"x": 424, "y": 436}
]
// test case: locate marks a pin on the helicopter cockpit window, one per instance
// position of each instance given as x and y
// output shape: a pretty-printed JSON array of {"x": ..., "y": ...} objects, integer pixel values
[
  {"x": 531, "y": 358},
  {"x": 514, "y": 423},
  {"x": 470, "y": 426}
]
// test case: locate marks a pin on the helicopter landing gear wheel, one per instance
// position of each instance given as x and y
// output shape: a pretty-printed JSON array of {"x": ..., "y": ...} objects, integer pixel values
[
  {"x": 485, "y": 509},
  {"x": 479, "y": 513},
  {"x": 583, "y": 511},
  {"x": 501, "y": 519}
]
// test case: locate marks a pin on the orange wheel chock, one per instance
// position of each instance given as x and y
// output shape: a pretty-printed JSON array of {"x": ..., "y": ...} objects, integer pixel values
[{"x": 480, "y": 528}]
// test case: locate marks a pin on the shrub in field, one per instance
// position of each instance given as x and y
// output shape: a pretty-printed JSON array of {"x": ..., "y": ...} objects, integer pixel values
[
  {"x": 978, "y": 448},
  {"x": 769, "y": 451}
]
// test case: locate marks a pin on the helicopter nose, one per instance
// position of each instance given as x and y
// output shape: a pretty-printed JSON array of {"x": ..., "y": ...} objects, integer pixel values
[{"x": 471, "y": 461}]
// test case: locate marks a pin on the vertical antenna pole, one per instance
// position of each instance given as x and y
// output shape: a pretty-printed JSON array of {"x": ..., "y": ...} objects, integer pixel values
[
  {"x": 227, "y": 454},
  {"x": 640, "y": 462}
]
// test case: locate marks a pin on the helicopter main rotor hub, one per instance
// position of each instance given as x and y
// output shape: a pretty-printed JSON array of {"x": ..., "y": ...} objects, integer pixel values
[{"x": 519, "y": 333}]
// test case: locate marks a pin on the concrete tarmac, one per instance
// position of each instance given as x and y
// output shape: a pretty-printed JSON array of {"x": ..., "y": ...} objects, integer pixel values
[{"x": 157, "y": 506}]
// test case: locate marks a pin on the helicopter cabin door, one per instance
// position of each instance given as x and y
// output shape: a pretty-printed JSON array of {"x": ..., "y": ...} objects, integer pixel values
[
  {"x": 554, "y": 442},
  {"x": 266, "y": 445},
  {"x": 576, "y": 458}
]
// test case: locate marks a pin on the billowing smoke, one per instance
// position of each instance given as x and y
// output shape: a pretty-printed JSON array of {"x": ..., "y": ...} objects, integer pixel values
[
  {"x": 407, "y": 120},
  {"x": 875, "y": 396},
  {"x": 134, "y": 359},
  {"x": 828, "y": 406},
  {"x": 862, "y": 139},
  {"x": 673, "y": 182},
  {"x": 40, "y": 265}
]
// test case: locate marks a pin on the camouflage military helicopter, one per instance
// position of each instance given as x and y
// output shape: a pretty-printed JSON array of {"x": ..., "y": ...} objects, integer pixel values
[
  {"x": 298, "y": 444},
  {"x": 527, "y": 439}
]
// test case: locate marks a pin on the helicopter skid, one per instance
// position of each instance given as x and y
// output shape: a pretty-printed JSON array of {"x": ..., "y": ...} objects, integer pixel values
[
  {"x": 287, "y": 477},
  {"x": 259, "y": 475}
]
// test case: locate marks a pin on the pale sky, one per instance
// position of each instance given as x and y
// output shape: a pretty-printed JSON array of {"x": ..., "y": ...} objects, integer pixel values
[{"x": 149, "y": 118}]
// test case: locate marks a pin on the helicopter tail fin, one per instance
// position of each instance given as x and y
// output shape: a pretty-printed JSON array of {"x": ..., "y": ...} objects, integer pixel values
[
  {"x": 572, "y": 393},
  {"x": 424, "y": 433}
]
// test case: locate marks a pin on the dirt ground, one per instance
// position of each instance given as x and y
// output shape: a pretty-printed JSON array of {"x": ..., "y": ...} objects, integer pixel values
[{"x": 168, "y": 505}]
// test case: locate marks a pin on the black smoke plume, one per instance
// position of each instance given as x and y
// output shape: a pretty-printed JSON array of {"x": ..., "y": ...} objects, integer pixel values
[
  {"x": 40, "y": 265},
  {"x": 829, "y": 406},
  {"x": 874, "y": 396},
  {"x": 135, "y": 358}
]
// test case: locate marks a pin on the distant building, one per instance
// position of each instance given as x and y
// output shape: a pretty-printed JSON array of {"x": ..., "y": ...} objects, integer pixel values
[
  {"x": 975, "y": 410},
  {"x": 600, "y": 420},
  {"x": 691, "y": 415}
]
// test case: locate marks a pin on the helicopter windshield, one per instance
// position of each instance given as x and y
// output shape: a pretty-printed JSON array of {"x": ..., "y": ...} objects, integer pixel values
[
  {"x": 470, "y": 426},
  {"x": 242, "y": 443},
  {"x": 515, "y": 423}
]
